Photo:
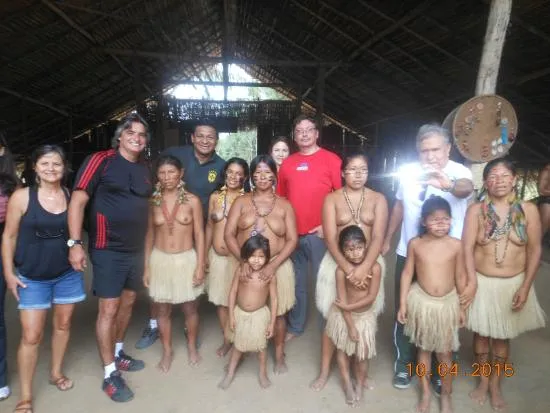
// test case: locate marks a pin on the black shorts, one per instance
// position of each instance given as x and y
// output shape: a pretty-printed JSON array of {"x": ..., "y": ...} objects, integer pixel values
[
  {"x": 544, "y": 200},
  {"x": 115, "y": 271}
]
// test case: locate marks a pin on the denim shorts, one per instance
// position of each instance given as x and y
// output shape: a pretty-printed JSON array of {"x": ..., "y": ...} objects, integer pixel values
[{"x": 68, "y": 288}]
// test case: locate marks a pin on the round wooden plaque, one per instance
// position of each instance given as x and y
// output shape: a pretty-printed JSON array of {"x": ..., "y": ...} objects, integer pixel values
[{"x": 483, "y": 128}]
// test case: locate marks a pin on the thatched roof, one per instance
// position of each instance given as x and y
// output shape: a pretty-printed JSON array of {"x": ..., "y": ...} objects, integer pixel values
[{"x": 390, "y": 64}]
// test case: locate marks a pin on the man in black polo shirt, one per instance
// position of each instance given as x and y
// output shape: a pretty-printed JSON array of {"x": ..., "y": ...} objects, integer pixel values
[
  {"x": 117, "y": 186},
  {"x": 203, "y": 168}
]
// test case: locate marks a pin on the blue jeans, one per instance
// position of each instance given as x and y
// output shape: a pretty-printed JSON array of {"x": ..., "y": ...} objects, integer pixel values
[
  {"x": 68, "y": 288},
  {"x": 3, "y": 338},
  {"x": 307, "y": 257}
]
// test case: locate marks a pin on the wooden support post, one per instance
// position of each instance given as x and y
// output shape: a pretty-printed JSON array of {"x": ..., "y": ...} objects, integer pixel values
[
  {"x": 320, "y": 101},
  {"x": 497, "y": 25},
  {"x": 137, "y": 83},
  {"x": 71, "y": 140}
]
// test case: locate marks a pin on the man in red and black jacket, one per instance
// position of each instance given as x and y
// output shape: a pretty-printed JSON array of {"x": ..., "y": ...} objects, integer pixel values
[{"x": 117, "y": 185}]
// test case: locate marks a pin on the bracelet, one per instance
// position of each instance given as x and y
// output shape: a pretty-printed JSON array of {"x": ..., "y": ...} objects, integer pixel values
[{"x": 452, "y": 187}]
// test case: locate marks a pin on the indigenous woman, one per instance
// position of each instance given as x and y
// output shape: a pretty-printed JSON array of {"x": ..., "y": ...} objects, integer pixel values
[
  {"x": 502, "y": 249},
  {"x": 220, "y": 262},
  {"x": 279, "y": 150},
  {"x": 263, "y": 212},
  {"x": 37, "y": 269},
  {"x": 353, "y": 204},
  {"x": 8, "y": 184},
  {"x": 174, "y": 256}
]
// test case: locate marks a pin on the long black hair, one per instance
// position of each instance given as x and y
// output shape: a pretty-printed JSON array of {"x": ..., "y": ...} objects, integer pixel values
[
  {"x": 268, "y": 160},
  {"x": 239, "y": 161},
  {"x": 256, "y": 242}
]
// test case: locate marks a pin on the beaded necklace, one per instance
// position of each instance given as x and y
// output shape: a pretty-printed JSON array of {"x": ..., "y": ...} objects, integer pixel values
[
  {"x": 256, "y": 229},
  {"x": 355, "y": 214}
]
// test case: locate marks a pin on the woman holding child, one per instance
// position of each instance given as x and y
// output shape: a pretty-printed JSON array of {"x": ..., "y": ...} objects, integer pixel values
[
  {"x": 502, "y": 248},
  {"x": 353, "y": 204},
  {"x": 263, "y": 212},
  {"x": 174, "y": 256}
]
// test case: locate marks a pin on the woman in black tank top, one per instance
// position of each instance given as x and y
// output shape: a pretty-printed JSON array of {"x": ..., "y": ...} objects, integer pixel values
[{"x": 37, "y": 270}]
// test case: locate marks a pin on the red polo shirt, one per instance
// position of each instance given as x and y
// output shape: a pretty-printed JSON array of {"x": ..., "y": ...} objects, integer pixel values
[{"x": 305, "y": 180}]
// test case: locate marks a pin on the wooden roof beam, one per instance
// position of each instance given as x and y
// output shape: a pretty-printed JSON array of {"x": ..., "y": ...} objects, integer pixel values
[
  {"x": 215, "y": 60},
  {"x": 379, "y": 36},
  {"x": 89, "y": 37},
  {"x": 35, "y": 101}
]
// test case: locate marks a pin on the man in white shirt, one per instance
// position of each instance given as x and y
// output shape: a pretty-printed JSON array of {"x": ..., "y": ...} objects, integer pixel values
[{"x": 434, "y": 174}]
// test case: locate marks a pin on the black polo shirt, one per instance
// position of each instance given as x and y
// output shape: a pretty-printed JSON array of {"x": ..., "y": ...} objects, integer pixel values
[
  {"x": 119, "y": 192},
  {"x": 200, "y": 179}
]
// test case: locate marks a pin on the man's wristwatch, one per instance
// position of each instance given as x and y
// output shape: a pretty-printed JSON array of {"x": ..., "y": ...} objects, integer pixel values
[
  {"x": 453, "y": 184},
  {"x": 72, "y": 242}
]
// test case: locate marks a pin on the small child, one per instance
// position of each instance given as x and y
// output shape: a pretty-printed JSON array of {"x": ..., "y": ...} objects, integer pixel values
[
  {"x": 351, "y": 322},
  {"x": 430, "y": 308},
  {"x": 251, "y": 321}
]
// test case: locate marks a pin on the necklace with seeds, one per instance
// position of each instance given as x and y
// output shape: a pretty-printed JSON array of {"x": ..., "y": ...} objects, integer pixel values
[
  {"x": 256, "y": 230},
  {"x": 355, "y": 214},
  {"x": 170, "y": 217},
  {"x": 498, "y": 234}
]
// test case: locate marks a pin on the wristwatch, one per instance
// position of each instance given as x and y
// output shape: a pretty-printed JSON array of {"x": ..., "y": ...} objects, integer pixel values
[
  {"x": 72, "y": 242},
  {"x": 453, "y": 184}
]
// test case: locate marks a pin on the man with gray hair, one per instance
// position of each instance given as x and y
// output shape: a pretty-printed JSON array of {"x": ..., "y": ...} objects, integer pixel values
[
  {"x": 117, "y": 185},
  {"x": 434, "y": 174}
]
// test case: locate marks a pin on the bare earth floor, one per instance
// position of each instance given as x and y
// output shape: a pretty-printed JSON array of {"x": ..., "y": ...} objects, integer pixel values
[{"x": 190, "y": 390}]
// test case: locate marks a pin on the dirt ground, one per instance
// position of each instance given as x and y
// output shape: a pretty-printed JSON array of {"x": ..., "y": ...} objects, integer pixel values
[{"x": 190, "y": 390}]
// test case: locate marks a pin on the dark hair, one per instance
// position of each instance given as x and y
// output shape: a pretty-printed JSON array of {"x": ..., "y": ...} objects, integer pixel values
[
  {"x": 268, "y": 160},
  {"x": 278, "y": 139},
  {"x": 506, "y": 162},
  {"x": 351, "y": 156},
  {"x": 43, "y": 150},
  {"x": 303, "y": 117},
  {"x": 239, "y": 161},
  {"x": 256, "y": 242},
  {"x": 126, "y": 123},
  {"x": 168, "y": 160},
  {"x": 8, "y": 177},
  {"x": 430, "y": 205},
  {"x": 351, "y": 233},
  {"x": 205, "y": 122}
]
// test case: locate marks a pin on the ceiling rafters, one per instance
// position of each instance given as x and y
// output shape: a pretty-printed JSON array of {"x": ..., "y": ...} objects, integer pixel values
[{"x": 90, "y": 38}]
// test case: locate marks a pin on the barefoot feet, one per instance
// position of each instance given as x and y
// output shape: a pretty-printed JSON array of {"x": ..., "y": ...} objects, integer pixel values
[
  {"x": 479, "y": 395},
  {"x": 497, "y": 401},
  {"x": 226, "y": 382},
  {"x": 264, "y": 381},
  {"x": 194, "y": 357},
  {"x": 166, "y": 361},
  {"x": 280, "y": 366},
  {"x": 290, "y": 336},
  {"x": 424, "y": 404},
  {"x": 223, "y": 349},
  {"x": 351, "y": 397},
  {"x": 319, "y": 383},
  {"x": 446, "y": 403}
]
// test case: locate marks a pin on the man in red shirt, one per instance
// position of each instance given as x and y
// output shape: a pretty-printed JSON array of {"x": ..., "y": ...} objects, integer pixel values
[{"x": 305, "y": 178}]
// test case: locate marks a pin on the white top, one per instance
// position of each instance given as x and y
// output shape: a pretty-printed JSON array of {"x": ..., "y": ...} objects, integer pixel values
[{"x": 409, "y": 191}]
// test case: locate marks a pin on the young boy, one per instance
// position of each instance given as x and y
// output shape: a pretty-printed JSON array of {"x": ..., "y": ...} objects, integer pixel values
[
  {"x": 430, "y": 308},
  {"x": 251, "y": 321},
  {"x": 351, "y": 322}
]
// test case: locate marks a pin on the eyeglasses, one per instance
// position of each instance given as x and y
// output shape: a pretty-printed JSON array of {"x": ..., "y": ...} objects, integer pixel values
[
  {"x": 356, "y": 171},
  {"x": 304, "y": 131}
]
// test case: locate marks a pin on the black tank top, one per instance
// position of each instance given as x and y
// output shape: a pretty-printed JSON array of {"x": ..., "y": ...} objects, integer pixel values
[{"x": 42, "y": 251}]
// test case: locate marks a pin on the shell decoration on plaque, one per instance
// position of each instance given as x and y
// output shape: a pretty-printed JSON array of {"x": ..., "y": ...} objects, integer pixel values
[{"x": 483, "y": 128}]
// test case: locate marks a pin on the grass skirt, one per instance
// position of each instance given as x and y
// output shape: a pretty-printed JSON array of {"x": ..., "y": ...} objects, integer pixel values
[
  {"x": 172, "y": 277},
  {"x": 250, "y": 329},
  {"x": 491, "y": 315},
  {"x": 220, "y": 276},
  {"x": 365, "y": 322},
  {"x": 325, "y": 289},
  {"x": 286, "y": 294},
  {"x": 433, "y": 322}
]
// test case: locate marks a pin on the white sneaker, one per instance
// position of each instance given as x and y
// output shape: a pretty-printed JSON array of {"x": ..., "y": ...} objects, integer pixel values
[{"x": 4, "y": 392}]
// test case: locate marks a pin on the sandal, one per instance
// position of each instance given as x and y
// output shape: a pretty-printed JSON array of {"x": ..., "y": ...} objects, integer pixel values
[
  {"x": 62, "y": 383},
  {"x": 24, "y": 406}
]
